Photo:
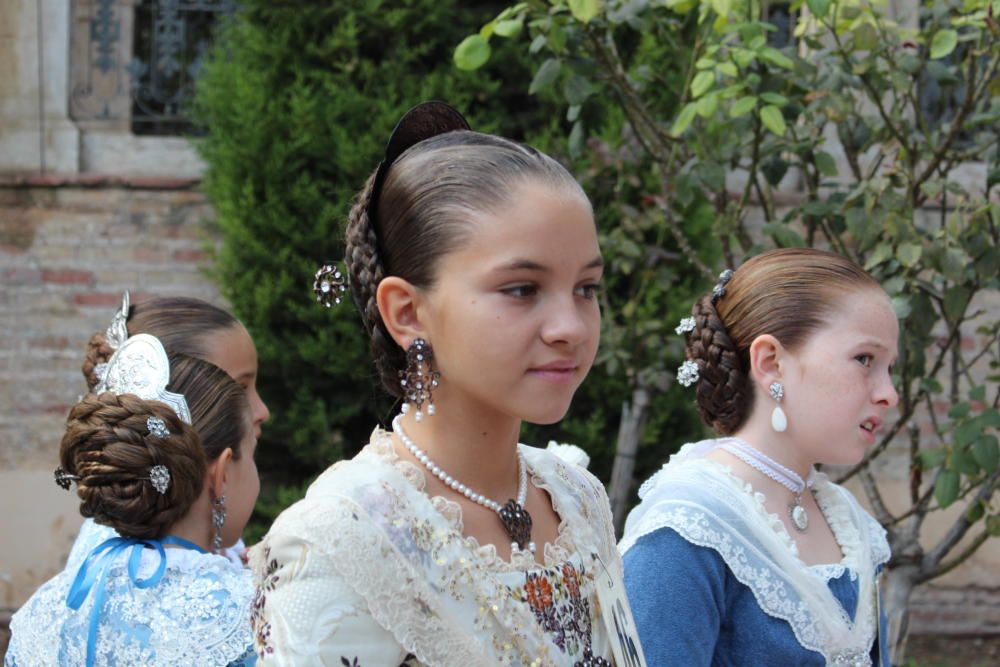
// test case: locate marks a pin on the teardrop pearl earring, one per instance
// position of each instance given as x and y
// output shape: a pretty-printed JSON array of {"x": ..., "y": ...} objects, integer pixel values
[{"x": 779, "y": 421}]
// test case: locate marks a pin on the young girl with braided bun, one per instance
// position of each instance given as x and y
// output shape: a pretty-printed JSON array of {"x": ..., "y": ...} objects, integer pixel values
[
  {"x": 183, "y": 325},
  {"x": 740, "y": 553},
  {"x": 475, "y": 264},
  {"x": 151, "y": 452}
]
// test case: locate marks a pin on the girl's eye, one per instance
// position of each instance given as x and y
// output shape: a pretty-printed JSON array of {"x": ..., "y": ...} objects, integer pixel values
[
  {"x": 589, "y": 291},
  {"x": 865, "y": 359},
  {"x": 520, "y": 291}
]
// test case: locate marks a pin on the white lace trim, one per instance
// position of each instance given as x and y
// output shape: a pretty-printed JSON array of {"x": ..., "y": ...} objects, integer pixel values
[
  {"x": 199, "y": 613},
  {"x": 554, "y": 553},
  {"x": 440, "y": 594},
  {"x": 710, "y": 507}
]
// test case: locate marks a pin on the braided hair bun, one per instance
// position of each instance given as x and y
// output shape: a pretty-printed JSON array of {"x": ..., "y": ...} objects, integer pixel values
[
  {"x": 787, "y": 293},
  {"x": 110, "y": 448}
]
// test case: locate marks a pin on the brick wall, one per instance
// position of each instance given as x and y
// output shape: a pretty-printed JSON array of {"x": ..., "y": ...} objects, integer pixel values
[{"x": 66, "y": 254}]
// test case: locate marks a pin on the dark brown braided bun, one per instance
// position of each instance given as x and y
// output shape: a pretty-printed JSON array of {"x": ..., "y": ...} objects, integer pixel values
[
  {"x": 724, "y": 397},
  {"x": 182, "y": 324},
  {"x": 788, "y": 294},
  {"x": 108, "y": 446},
  {"x": 98, "y": 352},
  {"x": 428, "y": 198}
]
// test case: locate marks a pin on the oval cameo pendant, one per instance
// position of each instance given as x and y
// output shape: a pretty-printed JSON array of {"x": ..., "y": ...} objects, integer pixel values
[{"x": 799, "y": 517}]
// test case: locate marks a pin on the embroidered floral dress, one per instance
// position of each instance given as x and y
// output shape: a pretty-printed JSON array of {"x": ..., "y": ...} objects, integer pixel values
[
  {"x": 714, "y": 579},
  {"x": 196, "y": 614},
  {"x": 368, "y": 570}
]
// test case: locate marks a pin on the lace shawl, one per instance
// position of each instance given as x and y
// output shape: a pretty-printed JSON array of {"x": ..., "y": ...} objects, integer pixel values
[
  {"x": 198, "y": 614},
  {"x": 708, "y": 506},
  {"x": 436, "y": 591}
]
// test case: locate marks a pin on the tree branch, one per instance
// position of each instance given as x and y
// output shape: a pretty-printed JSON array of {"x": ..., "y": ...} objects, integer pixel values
[{"x": 929, "y": 568}]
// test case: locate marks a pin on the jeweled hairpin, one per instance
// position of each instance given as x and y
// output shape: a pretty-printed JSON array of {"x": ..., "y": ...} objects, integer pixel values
[
  {"x": 329, "y": 285},
  {"x": 687, "y": 373},
  {"x": 159, "y": 477},
  {"x": 719, "y": 290},
  {"x": 685, "y": 325},
  {"x": 157, "y": 427},
  {"x": 64, "y": 479}
]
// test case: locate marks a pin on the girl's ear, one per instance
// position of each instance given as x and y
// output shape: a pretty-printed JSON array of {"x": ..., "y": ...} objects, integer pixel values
[
  {"x": 399, "y": 304},
  {"x": 217, "y": 473},
  {"x": 767, "y": 356}
]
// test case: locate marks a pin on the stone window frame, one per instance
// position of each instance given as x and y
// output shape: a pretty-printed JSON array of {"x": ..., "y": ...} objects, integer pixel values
[{"x": 100, "y": 96}]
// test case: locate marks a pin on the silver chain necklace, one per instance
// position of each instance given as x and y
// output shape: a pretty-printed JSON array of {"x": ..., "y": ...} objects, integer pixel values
[
  {"x": 515, "y": 518},
  {"x": 787, "y": 477}
]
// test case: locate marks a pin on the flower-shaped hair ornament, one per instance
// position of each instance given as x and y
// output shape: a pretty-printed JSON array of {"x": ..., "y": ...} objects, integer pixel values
[
  {"x": 329, "y": 285},
  {"x": 687, "y": 373},
  {"x": 684, "y": 326},
  {"x": 159, "y": 477},
  {"x": 157, "y": 427},
  {"x": 64, "y": 479},
  {"x": 719, "y": 290}
]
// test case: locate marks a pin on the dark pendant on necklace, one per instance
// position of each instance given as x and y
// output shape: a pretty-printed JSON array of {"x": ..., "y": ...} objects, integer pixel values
[{"x": 517, "y": 523}]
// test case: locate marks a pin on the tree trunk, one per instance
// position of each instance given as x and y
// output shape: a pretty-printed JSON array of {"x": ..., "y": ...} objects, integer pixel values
[
  {"x": 629, "y": 432},
  {"x": 899, "y": 584}
]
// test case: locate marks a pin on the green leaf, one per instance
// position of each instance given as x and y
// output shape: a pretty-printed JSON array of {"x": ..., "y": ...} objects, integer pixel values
[
  {"x": 944, "y": 42},
  {"x": 684, "y": 119},
  {"x": 946, "y": 487},
  {"x": 545, "y": 75},
  {"x": 987, "y": 452},
  {"x": 702, "y": 82},
  {"x": 955, "y": 301},
  {"x": 508, "y": 28},
  {"x": 783, "y": 235},
  {"x": 774, "y": 98},
  {"x": 901, "y": 306},
  {"x": 776, "y": 57},
  {"x": 931, "y": 458},
  {"x": 975, "y": 512},
  {"x": 882, "y": 253},
  {"x": 742, "y": 106},
  {"x": 993, "y": 525},
  {"x": 963, "y": 462},
  {"x": 576, "y": 139},
  {"x": 584, "y": 10},
  {"x": 729, "y": 69},
  {"x": 772, "y": 119},
  {"x": 967, "y": 432},
  {"x": 819, "y": 8},
  {"x": 978, "y": 393},
  {"x": 577, "y": 89},
  {"x": 708, "y": 105},
  {"x": 865, "y": 39},
  {"x": 959, "y": 410},
  {"x": 953, "y": 263},
  {"x": 908, "y": 254},
  {"x": 826, "y": 164},
  {"x": 472, "y": 53}
]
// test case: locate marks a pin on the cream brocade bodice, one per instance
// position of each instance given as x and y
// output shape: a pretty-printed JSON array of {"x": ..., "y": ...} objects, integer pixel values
[{"x": 369, "y": 570}]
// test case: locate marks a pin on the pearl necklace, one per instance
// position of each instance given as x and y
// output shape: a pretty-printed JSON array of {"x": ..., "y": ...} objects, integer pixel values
[
  {"x": 515, "y": 518},
  {"x": 787, "y": 477}
]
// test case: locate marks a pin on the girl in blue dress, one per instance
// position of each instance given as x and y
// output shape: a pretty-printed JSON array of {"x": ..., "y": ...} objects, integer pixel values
[
  {"x": 162, "y": 453},
  {"x": 740, "y": 553},
  {"x": 183, "y": 325}
]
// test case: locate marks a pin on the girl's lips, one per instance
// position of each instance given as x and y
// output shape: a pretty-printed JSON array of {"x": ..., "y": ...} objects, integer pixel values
[
  {"x": 869, "y": 436},
  {"x": 559, "y": 373}
]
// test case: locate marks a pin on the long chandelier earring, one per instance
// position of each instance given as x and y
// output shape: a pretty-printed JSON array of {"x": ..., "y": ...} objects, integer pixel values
[
  {"x": 218, "y": 521},
  {"x": 779, "y": 421},
  {"x": 419, "y": 380}
]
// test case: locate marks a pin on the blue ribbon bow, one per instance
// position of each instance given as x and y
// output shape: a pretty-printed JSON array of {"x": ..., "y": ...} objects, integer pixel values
[{"x": 95, "y": 568}]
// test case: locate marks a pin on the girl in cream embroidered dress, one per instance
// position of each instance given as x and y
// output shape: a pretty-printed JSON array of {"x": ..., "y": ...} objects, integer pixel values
[
  {"x": 369, "y": 570},
  {"x": 475, "y": 263}
]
